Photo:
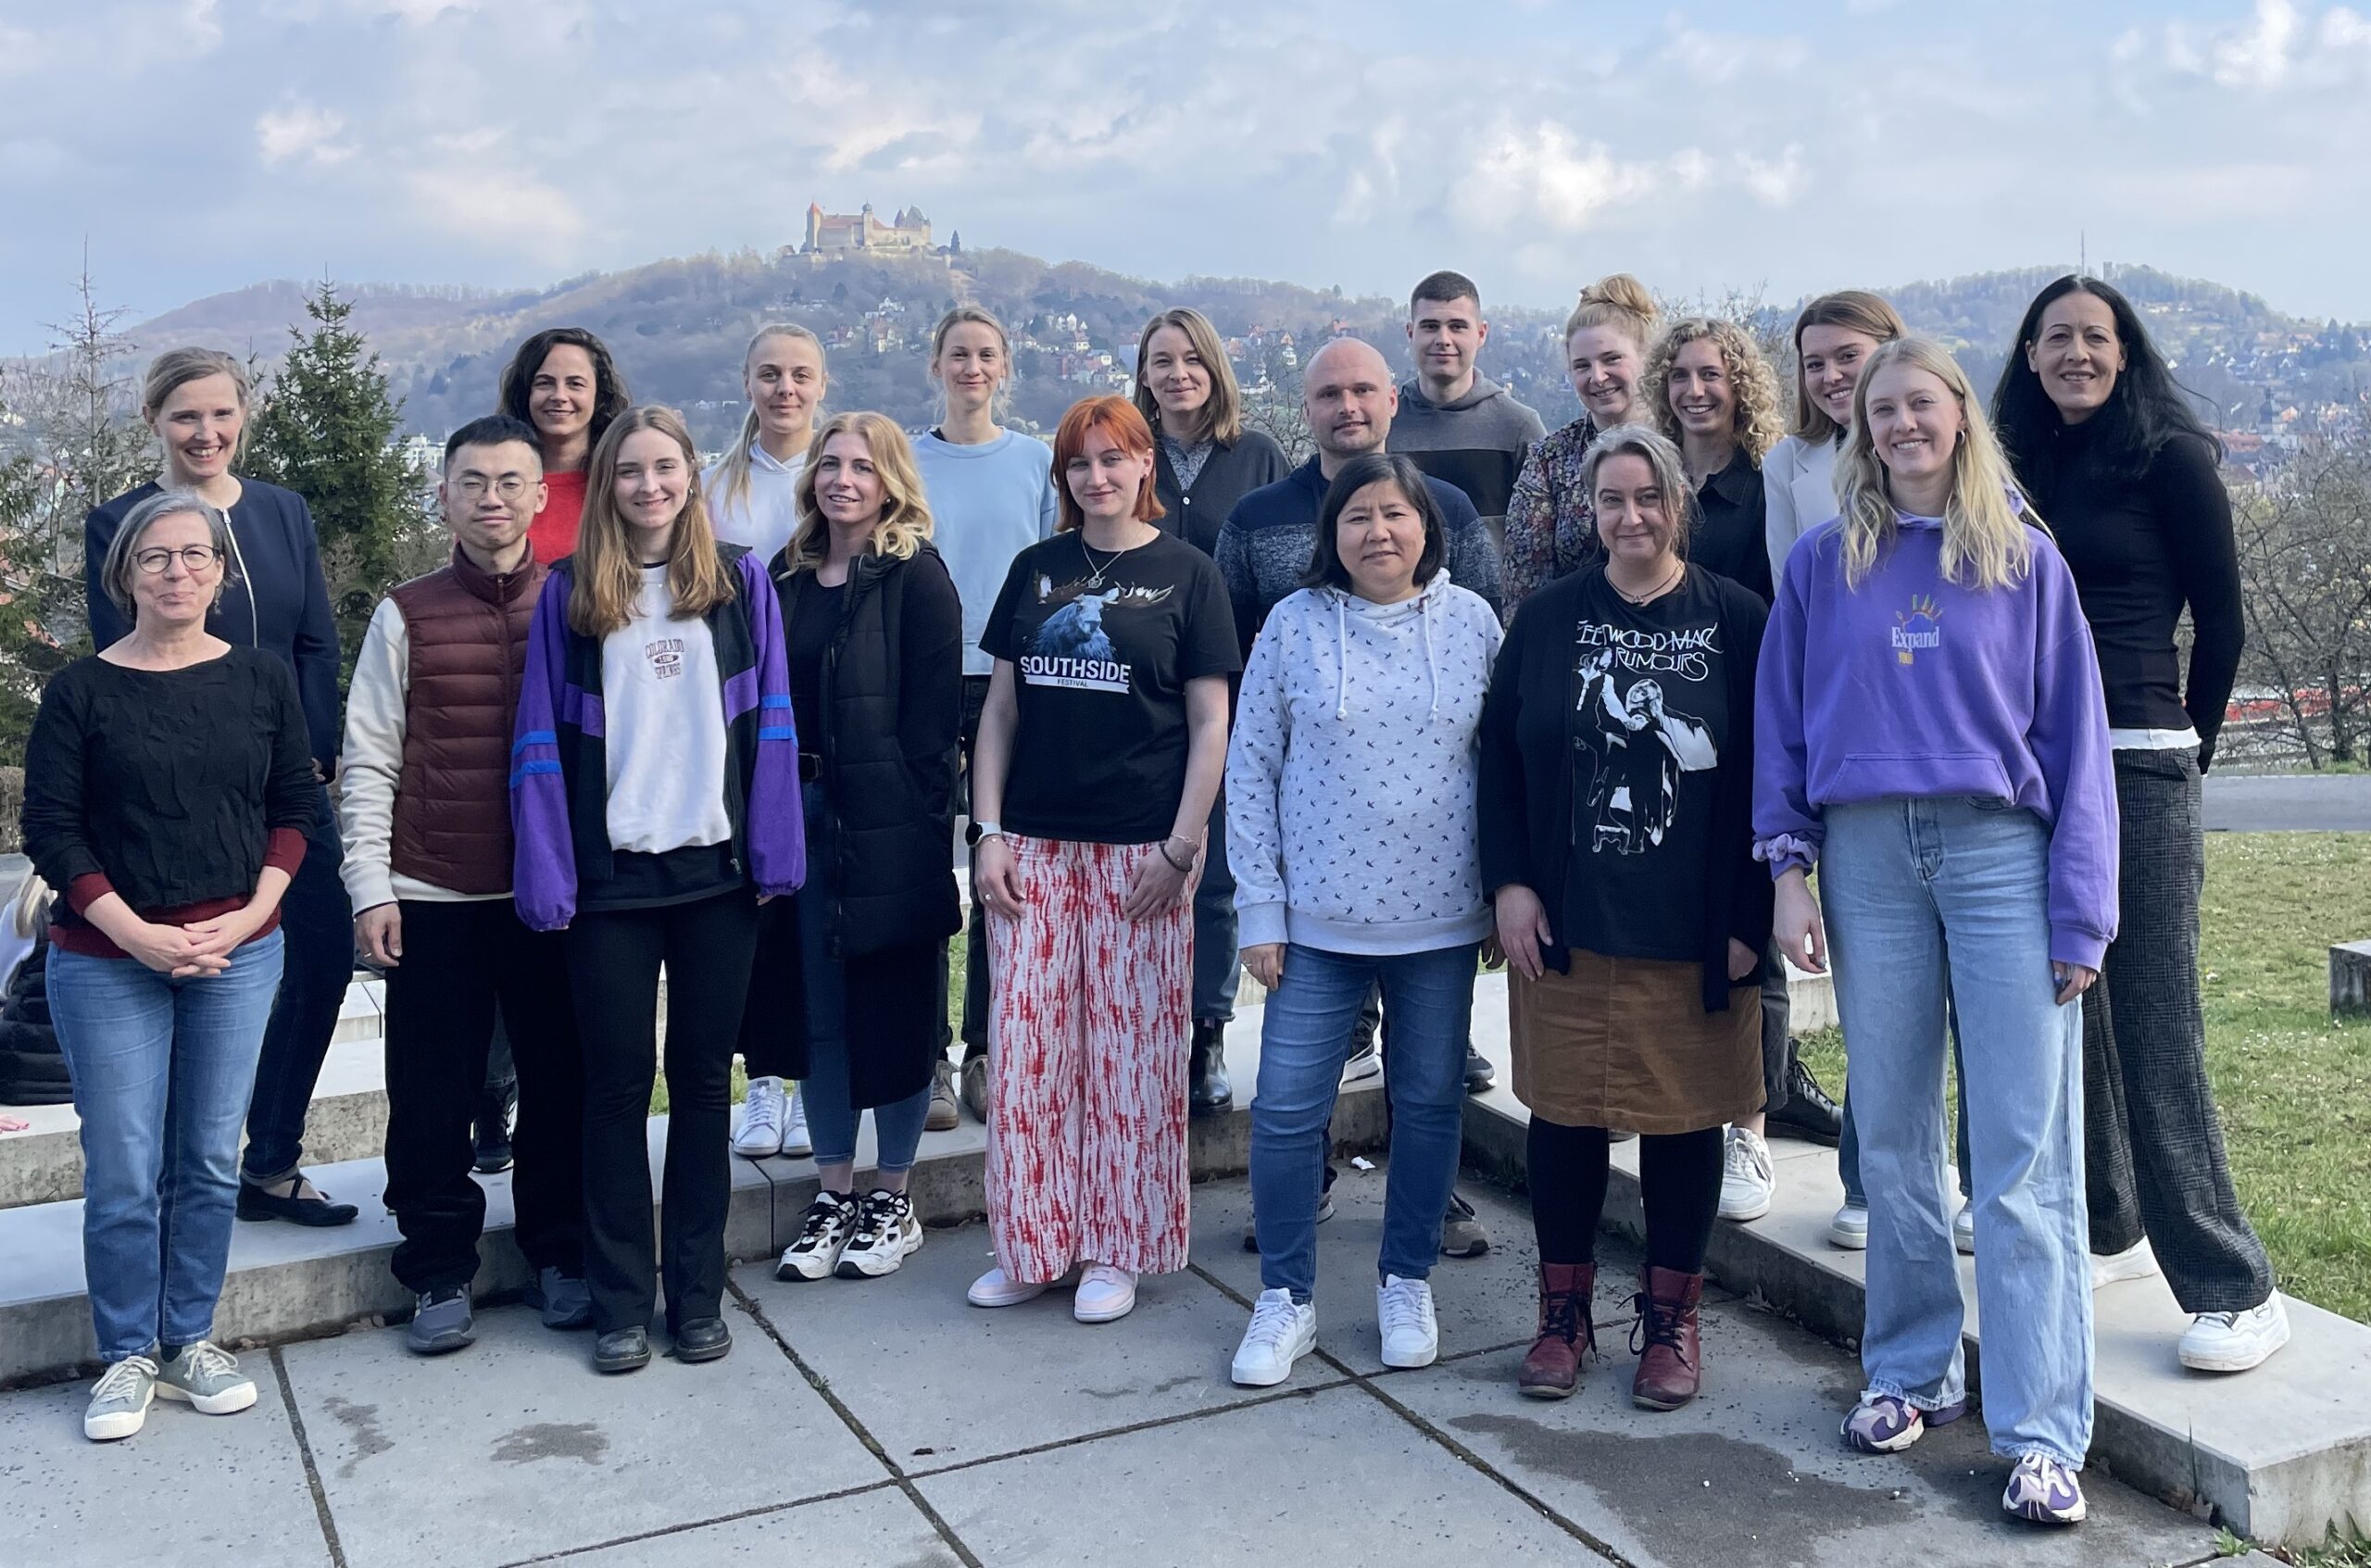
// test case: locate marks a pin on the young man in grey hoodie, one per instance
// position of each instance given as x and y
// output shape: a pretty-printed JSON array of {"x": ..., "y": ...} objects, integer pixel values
[{"x": 1456, "y": 424}]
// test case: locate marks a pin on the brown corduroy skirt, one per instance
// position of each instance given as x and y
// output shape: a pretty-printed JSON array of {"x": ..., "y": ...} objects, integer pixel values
[{"x": 1625, "y": 1043}]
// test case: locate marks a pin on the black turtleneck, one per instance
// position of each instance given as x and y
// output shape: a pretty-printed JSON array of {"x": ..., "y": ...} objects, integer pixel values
[{"x": 2141, "y": 549}]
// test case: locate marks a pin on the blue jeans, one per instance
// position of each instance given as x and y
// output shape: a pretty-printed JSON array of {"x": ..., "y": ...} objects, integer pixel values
[
  {"x": 318, "y": 921},
  {"x": 1936, "y": 900},
  {"x": 831, "y": 1118},
  {"x": 1218, "y": 968},
  {"x": 1304, "y": 1039},
  {"x": 162, "y": 1070}
]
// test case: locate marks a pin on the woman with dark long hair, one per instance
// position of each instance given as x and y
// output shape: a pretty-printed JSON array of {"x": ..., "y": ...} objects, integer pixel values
[
  {"x": 563, "y": 384},
  {"x": 2105, "y": 442}
]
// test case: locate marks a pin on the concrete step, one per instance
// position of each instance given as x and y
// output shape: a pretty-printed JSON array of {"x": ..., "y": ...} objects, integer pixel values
[
  {"x": 286, "y": 1281},
  {"x": 2280, "y": 1454},
  {"x": 346, "y": 1121}
]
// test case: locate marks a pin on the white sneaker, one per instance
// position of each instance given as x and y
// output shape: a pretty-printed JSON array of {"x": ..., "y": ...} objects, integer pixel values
[
  {"x": 1850, "y": 1228},
  {"x": 762, "y": 1115},
  {"x": 996, "y": 1288},
  {"x": 1746, "y": 1179},
  {"x": 824, "y": 1235},
  {"x": 2135, "y": 1261},
  {"x": 1964, "y": 1229},
  {"x": 886, "y": 1232},
  {"x": 1105, "y": 1295},
  {"x": 1282, "y": 1330},
  {"x": 1403, "y": 1311},
  {"x": 795, "y": 1141},
  {"x": 1362, "y": 1065},
  {"x": 2235, "y": 1342}
]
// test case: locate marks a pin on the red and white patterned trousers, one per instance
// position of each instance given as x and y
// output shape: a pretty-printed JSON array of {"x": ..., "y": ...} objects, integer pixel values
[{"x": 1087, "y": 1068}]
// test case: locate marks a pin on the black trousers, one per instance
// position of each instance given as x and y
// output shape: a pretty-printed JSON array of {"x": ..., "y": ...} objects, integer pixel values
[
  {"x": 976, "y": 928},
  {"x": 1777, "y": 1037},
  {"x": 613, "y": 964},
  {"x": 2152, "y": 1144},
  {"x": 318, "y": 923},
  {"x": 461, "y": 960}
]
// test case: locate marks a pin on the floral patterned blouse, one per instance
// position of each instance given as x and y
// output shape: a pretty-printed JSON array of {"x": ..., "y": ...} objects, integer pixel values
[{"x": 1551, "y": 529}]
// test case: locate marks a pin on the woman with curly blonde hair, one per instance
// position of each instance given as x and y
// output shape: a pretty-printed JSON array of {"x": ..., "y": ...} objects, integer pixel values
[
  {"x": 844, "y": 997},
  {"x": 1712, "y": 395}
]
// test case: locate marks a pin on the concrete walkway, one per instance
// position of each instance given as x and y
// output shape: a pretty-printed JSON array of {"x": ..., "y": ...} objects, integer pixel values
[{"x": 887, "y": 1423}]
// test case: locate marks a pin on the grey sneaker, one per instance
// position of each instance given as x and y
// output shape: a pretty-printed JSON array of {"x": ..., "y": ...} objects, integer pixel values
[
  {"x": 207, "y": 1376},
  {"x": 976, "y": 1088},
  {"x": 941, "y": 1116},
  {"x": 441, "y": 1323},
  {"x": 120, "y": 1399},
  {"x": 1462, "y": 1233},
  {"x": 566, "y": 1301}
]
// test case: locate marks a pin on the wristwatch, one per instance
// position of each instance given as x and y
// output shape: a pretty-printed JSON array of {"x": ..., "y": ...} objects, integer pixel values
[{"x": 978, "y": 831}]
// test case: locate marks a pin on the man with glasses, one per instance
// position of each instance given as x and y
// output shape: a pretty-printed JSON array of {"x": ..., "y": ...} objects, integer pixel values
[{"x": 426, "y": 811}]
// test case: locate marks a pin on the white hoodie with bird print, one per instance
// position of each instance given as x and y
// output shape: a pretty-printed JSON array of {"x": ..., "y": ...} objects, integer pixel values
[{"x": 1351, "y": 779}]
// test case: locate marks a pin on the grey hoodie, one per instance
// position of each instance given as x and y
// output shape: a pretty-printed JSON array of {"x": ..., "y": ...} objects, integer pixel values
[
  {"x": 1350, "y": 780},
  {"x": 1477, "y": 443}
]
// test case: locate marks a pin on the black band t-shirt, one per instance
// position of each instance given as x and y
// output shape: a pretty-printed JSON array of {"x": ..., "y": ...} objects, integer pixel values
[
  {"x": 1102, "y": 646},
  {"x": 1651, "y": 715}
]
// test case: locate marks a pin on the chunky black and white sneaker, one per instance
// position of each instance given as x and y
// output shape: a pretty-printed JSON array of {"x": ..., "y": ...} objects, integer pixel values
[
  {"x": 886, "y": 1231},
  {"x": 831, "y": 1220}
]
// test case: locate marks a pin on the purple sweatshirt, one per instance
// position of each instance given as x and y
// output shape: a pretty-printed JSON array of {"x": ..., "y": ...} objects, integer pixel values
[
  {"x": 559, "y": 776},
  {"x": 1913, "y": 685}
]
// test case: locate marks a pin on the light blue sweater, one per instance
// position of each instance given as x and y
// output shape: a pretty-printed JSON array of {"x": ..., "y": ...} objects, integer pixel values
[
  {"x": 1350, "y": 780},
  {"x": 987, "y": 504}
]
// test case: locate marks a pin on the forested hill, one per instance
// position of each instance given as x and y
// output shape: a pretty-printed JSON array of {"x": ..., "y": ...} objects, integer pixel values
[{"x": 679, "y": 326}]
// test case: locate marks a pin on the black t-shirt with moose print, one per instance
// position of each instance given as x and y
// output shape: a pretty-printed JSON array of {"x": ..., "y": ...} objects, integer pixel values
[
  {"x": 1102, "y": 646},
  {"x": 1650, "y": 720}
]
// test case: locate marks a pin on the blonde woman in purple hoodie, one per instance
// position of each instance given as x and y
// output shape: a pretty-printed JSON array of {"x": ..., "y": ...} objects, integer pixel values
[{"x": 1933, "y": 738}]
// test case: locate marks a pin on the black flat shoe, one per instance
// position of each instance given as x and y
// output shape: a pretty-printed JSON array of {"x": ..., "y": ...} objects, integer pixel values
[
  {"x": 490, "y": 1138},
  {"x": 703, "y": 1339},
  {"x": 1807, "y": 1113},
  {"x": 626, "y": 1350},
  {"x": 303, "y": 1205}
]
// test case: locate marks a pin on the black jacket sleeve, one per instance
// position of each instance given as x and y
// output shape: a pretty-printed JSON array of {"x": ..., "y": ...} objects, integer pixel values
[
  {"x": 317, "y": 657},
  {"x": 108, "y": 625},
  {"x": 292, "y": 795},
  {"x": 1753, "y": 895},
  {"x": 929, "y": 675},
  {"x": 1501, "y": 804},
  {"x": 2195, "y": 511}
]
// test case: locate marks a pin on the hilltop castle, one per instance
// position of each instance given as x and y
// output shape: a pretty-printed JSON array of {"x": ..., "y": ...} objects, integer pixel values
[{"x": 833, "y": 233}]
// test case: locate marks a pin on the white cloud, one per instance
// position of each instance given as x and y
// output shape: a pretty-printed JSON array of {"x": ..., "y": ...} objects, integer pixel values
[
  {"x": 2278, "y": 48},
  {"x": 301, "y": 132},
  {"x": 490, "y": 208}
]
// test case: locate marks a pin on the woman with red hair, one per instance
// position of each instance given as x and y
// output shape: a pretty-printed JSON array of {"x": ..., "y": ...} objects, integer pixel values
[{"x": 1099, "y": 753}]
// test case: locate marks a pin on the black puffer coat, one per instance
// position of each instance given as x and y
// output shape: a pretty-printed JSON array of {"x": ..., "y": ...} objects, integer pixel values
[{"x": 891, "y": 698}]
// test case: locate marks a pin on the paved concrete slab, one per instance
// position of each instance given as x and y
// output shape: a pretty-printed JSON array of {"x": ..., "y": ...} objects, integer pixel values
[
  {"x": 940, "y": 1382},
  {"x": 188, "y": 1491},
  {"x": 1481, "y": 1302},
  {"x": 515, "y": 1448},
  {"x": 2281, "y": 1452},
  {"x": 877, "y": 1527},
  {"x": 1330, "y": 1479},
  {"x": 1755, "y": 1471}
]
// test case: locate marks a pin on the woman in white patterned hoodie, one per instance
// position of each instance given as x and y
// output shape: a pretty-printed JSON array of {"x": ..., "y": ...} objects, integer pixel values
[{"x": 1350, "y": 789}]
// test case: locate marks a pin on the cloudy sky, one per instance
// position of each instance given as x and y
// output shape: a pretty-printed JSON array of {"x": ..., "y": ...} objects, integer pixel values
[{"x": 200, "y": 145}]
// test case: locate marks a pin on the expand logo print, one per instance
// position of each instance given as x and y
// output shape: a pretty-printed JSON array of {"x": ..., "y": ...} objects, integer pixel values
[{"x": 1918, "y": 629}]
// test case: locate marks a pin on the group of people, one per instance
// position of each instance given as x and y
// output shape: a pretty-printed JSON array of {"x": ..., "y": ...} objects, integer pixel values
[{"x": 1455, "y": 691}]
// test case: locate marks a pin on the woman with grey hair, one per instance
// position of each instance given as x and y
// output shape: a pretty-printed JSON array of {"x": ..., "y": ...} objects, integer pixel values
[
  {"x": 1617, "y": 847},
  {"x": 169, "y": 782},
  {"x": 276, "y": 600}
]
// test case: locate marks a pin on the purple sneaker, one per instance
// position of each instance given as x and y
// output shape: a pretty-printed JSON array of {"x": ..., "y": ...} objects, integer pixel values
[
  {"x": 2045, "y": 1491},
  {"x": 1887, "y": 1425}
]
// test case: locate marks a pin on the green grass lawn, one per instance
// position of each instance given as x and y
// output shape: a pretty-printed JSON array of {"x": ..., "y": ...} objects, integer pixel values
[{"x": 2294, "y": 1088}]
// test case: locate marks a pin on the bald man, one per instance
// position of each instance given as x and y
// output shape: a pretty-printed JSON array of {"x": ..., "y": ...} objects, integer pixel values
[
  {"x": 1263, "y": 548},
  {"x": 1263, "y": 552}
]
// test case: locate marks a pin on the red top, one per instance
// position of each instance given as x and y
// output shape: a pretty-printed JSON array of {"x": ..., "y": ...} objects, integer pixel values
[
  {"x": 283, "y": 848},
  {"x": 553, "y": 533}
]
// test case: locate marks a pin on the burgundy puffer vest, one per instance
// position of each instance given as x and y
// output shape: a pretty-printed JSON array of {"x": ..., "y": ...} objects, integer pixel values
[{"x": 468, "y": 639}]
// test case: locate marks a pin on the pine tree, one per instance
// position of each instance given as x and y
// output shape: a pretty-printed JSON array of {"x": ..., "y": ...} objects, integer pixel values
[
  {"x": 325, "y": 428},
  {"x": 68, "y": 442}
]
